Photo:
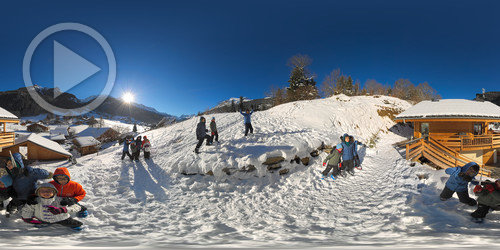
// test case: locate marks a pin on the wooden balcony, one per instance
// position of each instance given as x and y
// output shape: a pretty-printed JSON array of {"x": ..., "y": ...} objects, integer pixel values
[
  {"x": 467, "y": 142},
  {"x": 6, "y": 139}
]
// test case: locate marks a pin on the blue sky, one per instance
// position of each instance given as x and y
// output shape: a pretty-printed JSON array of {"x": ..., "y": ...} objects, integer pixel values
[{"x": 182, "y": 57}]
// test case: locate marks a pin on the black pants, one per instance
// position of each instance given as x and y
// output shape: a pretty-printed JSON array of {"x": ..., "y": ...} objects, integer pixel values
[
  {"x": 336, "y": 170},
  {"x": 135, "y": 156},
  {"x": 248, "y": 126},
  {"x": 70, "y": 222},
  {"x": 348, "y": 165},
  {"x": 126, "y": 153},
  {"x": 481, "y": 211},
  {"x": 147, "y": 155},
  {"x": 200, "y": 141},
  {"x": 215, "y": 136},
  {"x": 462, "y": 196}
]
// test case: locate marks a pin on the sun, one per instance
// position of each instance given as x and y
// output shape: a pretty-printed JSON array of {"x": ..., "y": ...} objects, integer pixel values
[{"x": 128, "y": 97}]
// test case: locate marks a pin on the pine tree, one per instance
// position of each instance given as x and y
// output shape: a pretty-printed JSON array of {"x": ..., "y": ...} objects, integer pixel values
[
  {"x": 302, "y": 84},
  {"x": 241, "y": 103},
  {"x": 233, "y": 106}
]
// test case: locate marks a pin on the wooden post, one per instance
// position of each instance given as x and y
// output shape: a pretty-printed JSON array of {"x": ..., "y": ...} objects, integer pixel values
[{"x": 407, "y": 151}]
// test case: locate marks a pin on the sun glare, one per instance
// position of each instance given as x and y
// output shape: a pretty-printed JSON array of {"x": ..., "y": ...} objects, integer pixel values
[{"x": 128, "y": 97}]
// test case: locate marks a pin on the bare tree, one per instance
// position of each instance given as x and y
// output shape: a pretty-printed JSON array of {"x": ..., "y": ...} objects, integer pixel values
[
  {"x": 329, "y": 84},
  {"x": 299, "y": 61}
]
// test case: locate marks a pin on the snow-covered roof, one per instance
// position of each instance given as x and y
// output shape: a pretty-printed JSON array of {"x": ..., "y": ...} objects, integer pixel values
[
  {"x": 4, "y": 114},
  {"x": 95, "y": 132},
  {"x": 58, "y": 137},
  {"x": 451, "y": 108},
  {"x": 78, "y": 128},
  {"x": 60, "y": 131},
  {"x": 44, "y": 142},
  {"x": 86, "y": 141}
]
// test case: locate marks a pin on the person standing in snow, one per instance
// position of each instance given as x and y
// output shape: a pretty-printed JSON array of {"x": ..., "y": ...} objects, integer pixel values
[
  {"x": 134, "y": 149},
  {"x": 24, "y": 180},
  {"x": 146, "y": 146},
  {"x": 138, "y": 143},
  {"x": 247, "y": 121},
  {"x": 70, "y": 191},
  {"x": 332, "y": 161},
  {"x": 201, "y": 134},
  {"x": 489, "y": 198},
  {"x": 213, "y": 129},
  {"x": 49, "y": 210},
  {"x": 349, "y": 153},
  {"x": 458, "y": 182},
  {"x": 126, "y": 144}
]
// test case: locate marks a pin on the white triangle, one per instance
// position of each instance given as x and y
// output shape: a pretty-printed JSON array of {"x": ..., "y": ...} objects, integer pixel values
[{"x": 70, "y": 69}]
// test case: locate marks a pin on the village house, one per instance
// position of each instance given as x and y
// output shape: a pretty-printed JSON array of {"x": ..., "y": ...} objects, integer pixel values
[
  {"x": 35, "y": 147},
  {"x": 101, "y": 134},
  {"x": 86, "y": 145},
  {"x": 6, "y": 138},
  {"x": 37, "y": 128},
  {"x": 452, "y": 132}
]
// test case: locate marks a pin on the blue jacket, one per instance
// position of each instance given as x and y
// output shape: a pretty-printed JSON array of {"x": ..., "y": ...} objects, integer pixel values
[
  {"x": 24, "y": 183},
  {"x": 247, "y": 117},
  {"x": 125, "y": 146},
  {"x": 455, "y": 182},
  {"x": 348, "y": 151}
]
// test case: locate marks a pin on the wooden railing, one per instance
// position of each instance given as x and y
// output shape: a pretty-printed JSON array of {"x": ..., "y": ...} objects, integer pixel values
[
  {"x": 467, "y": 142},
  {"x": 6, "y": 139},
  {"x": 439, "y": 154}
]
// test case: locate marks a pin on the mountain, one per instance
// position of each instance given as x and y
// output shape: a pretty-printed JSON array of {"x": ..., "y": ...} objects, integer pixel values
[{"x": 20, "y": 103}]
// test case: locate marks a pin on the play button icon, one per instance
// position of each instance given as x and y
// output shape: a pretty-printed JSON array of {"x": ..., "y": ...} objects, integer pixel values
[{"x": 70, "y": 69}]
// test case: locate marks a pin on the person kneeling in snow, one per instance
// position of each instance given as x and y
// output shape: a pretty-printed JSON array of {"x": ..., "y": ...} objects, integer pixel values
[
  {"x": 49, "y": 209},
  {"x": 458, "y": 181},
  {"x": 71, "y": 192},
  {"x": 332, "y": 161},
  {"x": 489, "y": 198}
]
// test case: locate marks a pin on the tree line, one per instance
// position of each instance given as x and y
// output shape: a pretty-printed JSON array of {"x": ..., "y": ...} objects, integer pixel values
[{"x": 302, "y": 86}]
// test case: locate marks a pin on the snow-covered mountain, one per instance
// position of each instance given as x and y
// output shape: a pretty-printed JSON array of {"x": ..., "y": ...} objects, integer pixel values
[{"x": 157, "y": 203}]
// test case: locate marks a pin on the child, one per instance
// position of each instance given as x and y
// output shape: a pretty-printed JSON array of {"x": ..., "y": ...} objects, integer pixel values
[
  {"x": 70, "y": 191},
  {"x": 146, "y": 145},
  {"x": 248, "y": 121},
  {"x": 24, "y": 179},
  {"x": 213, "y": 129},
  {"x": 49, "y": 209},
  {"x": 125, "y": 149},
  {"x": 489, "y": 197},
  {"x": 333, "y": 161},
  {"x": 5, "y": 189},
  {"x": 458, "y": 181},
  {"x": 349, "y": 153}
]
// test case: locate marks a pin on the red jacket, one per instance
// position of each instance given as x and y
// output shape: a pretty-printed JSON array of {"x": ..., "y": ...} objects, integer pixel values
[{"x": 71, "y": 189}]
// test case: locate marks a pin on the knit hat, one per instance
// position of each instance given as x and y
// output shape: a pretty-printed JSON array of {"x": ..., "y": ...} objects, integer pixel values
[
  {"x": 6, "y": 180},
  {"x": 202, "y": 118},
  {"x": 41, "y": 184},
  {"x": 339, "y": 147},
  {"x": 213, "y": 118}
]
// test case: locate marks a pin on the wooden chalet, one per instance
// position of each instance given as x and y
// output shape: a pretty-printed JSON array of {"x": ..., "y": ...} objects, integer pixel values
[
  {"x": 37, "y": 128},
  {"x": 6, "y": 138},
  {"x": 453, "y": 132},
  {"x": 86, "y": 145},
  {"x": 36, "y": 148},
  {"x": 104, "y": 134}
]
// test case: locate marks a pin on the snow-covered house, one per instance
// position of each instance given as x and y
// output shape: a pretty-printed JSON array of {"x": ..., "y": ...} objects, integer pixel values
[
  {"x": 86, "y": 145},
  {"x": 452, "y": 131},
  {"x": 6, "y": 138},
  {"x": 37, "y": 128},
  {"x": 105, "y": 134},
  {"x": 60, "y": 130},
  {"x": 36, "y": 148}
]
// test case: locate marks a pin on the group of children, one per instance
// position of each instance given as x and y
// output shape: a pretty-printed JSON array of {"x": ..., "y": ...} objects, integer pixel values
[
  {"x": 41, "y": 202},
  {"x": 140, "y": 143},
  {"x": 343, "y": 159},
  {"x": 488, "y": 192}
]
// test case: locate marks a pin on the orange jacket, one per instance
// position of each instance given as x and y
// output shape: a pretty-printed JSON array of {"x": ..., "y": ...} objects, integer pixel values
[{"x": 71, "y": 189}]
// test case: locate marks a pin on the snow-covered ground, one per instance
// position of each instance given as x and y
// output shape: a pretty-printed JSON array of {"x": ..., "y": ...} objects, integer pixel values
[{"x": 151, "y": 204}]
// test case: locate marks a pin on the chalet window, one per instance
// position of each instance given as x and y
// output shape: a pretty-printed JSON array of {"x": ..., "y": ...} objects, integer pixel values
[
  {"x": 478, "y": 129},
  {"x": 424, "y": 129}
]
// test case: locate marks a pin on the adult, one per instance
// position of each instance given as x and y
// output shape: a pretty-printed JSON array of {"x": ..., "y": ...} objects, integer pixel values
[
  {"x": 201, "y": 134},
  {"x": 247, "y": 121}
]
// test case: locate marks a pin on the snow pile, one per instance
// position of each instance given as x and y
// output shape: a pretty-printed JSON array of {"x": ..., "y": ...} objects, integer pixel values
[{"x": 148, "y": 203}]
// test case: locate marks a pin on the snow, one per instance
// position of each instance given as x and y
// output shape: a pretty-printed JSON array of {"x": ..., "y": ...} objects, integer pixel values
[
  {"x": 44, "y": 142},
  {"x": 451, "y": 108},
  {"x": 76, "y": 129},
  {"x": 57, "y": 137},
  {"x": 150, "y": 204},
  {"x": 95, "y": 132},
  {"x": 60, "y": 130},
  {"x": 85, "y": 141},
  {"x": 6, "y": 114}
]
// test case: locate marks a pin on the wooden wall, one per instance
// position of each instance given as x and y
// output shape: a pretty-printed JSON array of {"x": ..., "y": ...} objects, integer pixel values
[
  {"x": 35, "y": 152},
  {"x": 488, "y": 156},
  {"x": 451, "y": 127},
  {"x": 88, "y": 150}
]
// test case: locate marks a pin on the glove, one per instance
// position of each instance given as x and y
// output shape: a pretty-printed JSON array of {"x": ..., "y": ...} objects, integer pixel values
[
  {"x": 478, "y": 189},
  {"x": 57, "y": 210},
  {"x": 213, "y": 133},
  {"x": 340, "y": 165},
  {"x": 68, "y": 201},
  {"x": 31, "y": 200},
  {"x": 32, "y": 220},
  {"x": 324, "y": 164},
  {"x": 490, "y": 188}
]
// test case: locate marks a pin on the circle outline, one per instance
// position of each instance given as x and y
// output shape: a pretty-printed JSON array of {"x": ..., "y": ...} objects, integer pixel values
[{"x": 83, "y": 29}]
